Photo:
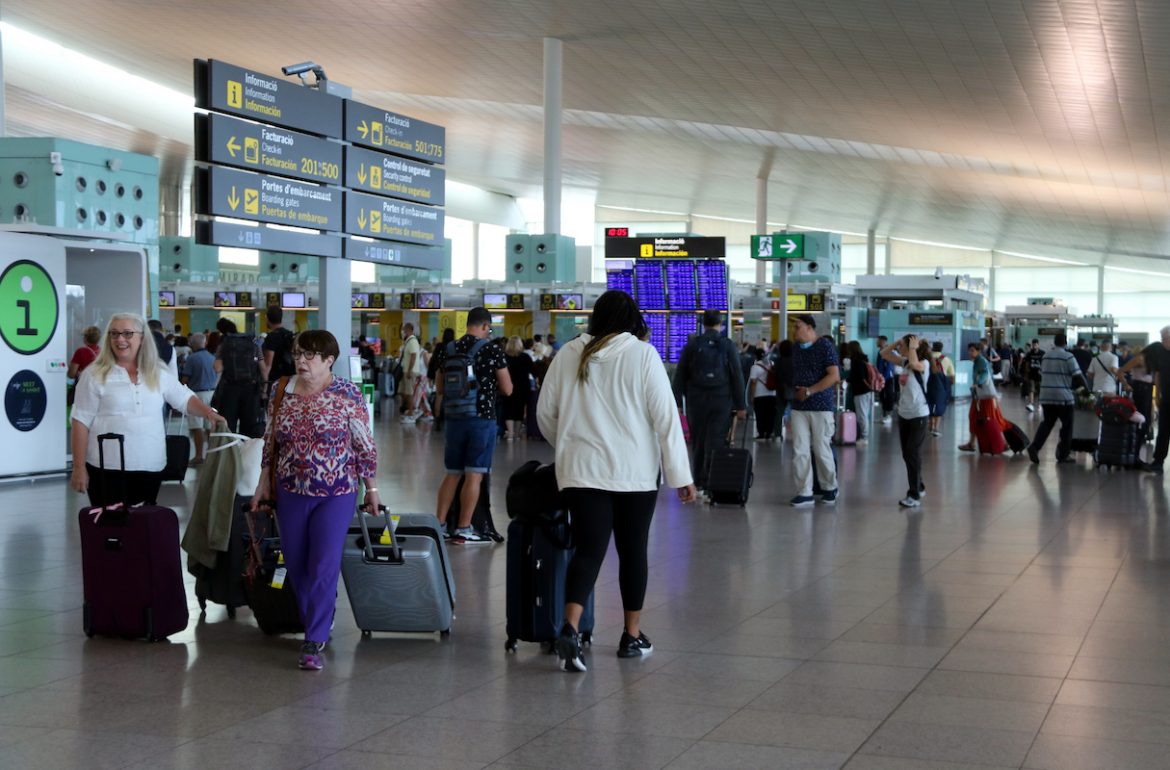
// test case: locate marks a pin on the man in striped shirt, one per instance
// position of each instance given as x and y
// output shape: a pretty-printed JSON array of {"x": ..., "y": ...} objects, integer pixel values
[{"x": 1060, "y": 373}]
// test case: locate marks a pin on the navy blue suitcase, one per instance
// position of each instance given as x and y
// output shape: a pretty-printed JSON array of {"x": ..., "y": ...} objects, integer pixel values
[{"x": 537, "y": 562}]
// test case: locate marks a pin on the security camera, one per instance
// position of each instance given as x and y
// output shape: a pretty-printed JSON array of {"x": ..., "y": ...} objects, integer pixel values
[
  {"x": 58, "y": 167},
  {"x": 938, "y": 273},
  {"x": 298, "y": 69}
]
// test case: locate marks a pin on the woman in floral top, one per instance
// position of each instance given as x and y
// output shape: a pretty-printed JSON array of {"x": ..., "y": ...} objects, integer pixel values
[{"x": 324, "y": 450}]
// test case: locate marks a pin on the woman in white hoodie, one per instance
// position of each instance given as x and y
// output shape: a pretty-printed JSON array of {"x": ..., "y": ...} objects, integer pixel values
[{"x": 608, "y": 410}]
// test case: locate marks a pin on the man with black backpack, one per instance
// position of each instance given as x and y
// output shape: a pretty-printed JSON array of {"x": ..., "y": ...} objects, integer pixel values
[
  {"x": 472, "y": 374},
  {"x": 237, "y": 396},
  {"x": 277, "y": 348},
  {"x": 710, "y": 379}
]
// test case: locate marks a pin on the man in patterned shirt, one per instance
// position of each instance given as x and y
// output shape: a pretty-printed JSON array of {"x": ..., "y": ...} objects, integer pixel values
[{"x": 470, "y": 419}]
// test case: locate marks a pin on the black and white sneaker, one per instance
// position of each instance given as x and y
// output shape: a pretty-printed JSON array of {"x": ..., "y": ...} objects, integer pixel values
[
  {"x": 569, "y": 650},
  {"x": 630, "y": 647}
]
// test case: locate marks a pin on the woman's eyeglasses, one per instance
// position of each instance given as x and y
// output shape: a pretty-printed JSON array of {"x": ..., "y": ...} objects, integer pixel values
[
  {"x": 308, "y": 355},
  {"x": 126, "y": 335}
]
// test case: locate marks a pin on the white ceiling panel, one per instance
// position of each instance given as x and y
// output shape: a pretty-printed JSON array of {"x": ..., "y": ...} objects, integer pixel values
[{"x": 1033, "y": 125}]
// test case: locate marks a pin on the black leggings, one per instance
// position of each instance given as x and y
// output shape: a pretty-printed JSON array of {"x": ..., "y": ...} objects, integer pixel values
[
  {"x": 105, "y": 487},
  {"x": 597, "y": 513},
  {"x": 913, "y": 435}
]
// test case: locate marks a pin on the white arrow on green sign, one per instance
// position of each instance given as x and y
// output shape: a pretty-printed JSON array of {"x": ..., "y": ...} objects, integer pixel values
[{"x": 778, "y": 246}]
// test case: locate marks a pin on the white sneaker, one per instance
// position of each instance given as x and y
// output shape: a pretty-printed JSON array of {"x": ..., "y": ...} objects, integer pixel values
[
  {"x": 909, "y": 502},
  {"x": 1029, "y": 407},
  {"x": 426, "y": 418},
  {"x": 409, "y": 419}
]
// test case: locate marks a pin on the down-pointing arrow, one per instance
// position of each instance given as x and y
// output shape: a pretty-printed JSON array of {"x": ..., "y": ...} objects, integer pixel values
[{"x": 789, "y": 246}]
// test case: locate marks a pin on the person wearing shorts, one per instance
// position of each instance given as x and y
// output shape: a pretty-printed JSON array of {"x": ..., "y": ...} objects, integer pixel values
[
  {"x": 199, "y": 375},
  {"x": 470, "y": 422}
]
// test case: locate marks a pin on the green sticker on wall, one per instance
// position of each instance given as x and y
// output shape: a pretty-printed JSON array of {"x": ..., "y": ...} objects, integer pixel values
[{"x": 28, "y": 307}]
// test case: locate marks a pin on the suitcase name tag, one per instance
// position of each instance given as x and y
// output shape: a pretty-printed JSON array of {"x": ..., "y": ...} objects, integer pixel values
[{"x": 278, "y": 577}]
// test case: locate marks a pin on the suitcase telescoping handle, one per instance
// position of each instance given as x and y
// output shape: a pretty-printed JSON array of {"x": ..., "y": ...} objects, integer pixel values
[
  {"x": 101, "y": 442},
  {"x": 395, "y": 551},
  {"x": 731, "y": 433}
]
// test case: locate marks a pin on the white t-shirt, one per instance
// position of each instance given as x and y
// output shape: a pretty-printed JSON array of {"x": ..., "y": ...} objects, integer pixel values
[
  {"x": 1103, "y": 379},
  {"x": 413, "y": 348},
  {"x": 760, "y": 376},
  {"x": 912, "y": 402},
  {"x": 135, "y": 411}
]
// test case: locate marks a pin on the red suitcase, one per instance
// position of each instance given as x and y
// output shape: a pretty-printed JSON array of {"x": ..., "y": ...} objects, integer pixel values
[
  {"x": 130, "y": 567},
  {"x": 989, "y": 428}
]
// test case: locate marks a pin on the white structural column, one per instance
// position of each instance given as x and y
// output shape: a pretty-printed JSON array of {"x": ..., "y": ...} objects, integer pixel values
[
  {"x": 991, "y": 282},
  {"x": 336, "y": 308},
  {"x": 870, "y": 251},
  {"x": 762, "y": 208},
  {"x": 3, "y": 86},
  {"x": 1101, "y": 290},
  {"x": 553, "y": 107}
]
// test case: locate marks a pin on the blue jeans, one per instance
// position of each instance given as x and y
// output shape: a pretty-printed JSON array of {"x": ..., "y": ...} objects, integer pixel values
[{"x": 470, "y": 444}]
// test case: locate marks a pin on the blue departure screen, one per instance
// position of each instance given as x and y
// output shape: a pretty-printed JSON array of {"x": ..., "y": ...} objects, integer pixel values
[
  {"x": 680, "y": 284},
  {"x": 682, "y": 326},
  {"x": 712, "y": 284},
  {"x": 658, "y": 332},
  {"x": 650, "y": 284},
  {"x": 620, "y": 280}
]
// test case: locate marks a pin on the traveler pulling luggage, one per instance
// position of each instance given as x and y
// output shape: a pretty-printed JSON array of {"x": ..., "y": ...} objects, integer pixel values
[
  {"x": 730, "y": 478},
  {"x": 131, "y": 576},
  {"x": 402, "y": 585}
]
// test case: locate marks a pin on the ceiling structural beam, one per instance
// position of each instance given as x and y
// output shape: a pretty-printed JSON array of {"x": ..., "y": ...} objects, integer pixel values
[
  {"x": 553, "y": 112},
  {"x": 762, "y": 208}
]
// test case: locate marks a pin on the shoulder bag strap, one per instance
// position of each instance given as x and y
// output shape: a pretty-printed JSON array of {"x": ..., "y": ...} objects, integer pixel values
[{"x": 277, "y": 399}]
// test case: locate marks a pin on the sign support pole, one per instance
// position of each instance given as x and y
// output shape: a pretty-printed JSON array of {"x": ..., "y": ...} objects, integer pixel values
[
  {"x": 335, "y": 311},
  {"x": 762, "y": 207},
  {"x": 553, "y": 104}
]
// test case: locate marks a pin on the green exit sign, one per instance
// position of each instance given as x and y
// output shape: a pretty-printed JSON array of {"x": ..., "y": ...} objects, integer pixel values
[{"x": 778, "y": 246}]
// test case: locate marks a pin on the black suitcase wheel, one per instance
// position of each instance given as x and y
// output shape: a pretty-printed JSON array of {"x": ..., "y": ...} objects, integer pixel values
[
  {"x": 231, "y": 612},
  {"x": 366, "y": 634},
  {"x": 202, "y": 604},
  {"x": 445, "y": 633},
  {"x": 510, "y": 644},
  {"x": 587, "y": 639}
]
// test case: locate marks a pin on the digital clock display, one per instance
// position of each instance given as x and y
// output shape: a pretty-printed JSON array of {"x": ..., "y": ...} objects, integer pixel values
[{"x": 617, "y": 232}]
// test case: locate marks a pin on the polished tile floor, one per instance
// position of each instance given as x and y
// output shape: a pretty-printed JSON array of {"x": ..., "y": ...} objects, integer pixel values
[{"x": 1021, "y": 618}]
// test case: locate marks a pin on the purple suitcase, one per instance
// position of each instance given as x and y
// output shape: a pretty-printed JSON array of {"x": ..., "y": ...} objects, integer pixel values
[{"x": 130, "y": 567}]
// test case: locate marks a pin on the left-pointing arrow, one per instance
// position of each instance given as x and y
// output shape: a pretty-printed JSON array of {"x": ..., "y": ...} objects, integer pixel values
[
  {"x": 233, "y": 199},
  {"x": 233, "y": 146}
]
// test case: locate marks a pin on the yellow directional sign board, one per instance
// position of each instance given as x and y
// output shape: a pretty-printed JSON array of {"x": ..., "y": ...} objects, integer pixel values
[
  {"x": 396, "y": 177},
  {"x": 229, "y": 193},
  {"x": 231, "y": 142},
  {"x": 393, "y": 220},
  {"x": 394, "y": 133}
]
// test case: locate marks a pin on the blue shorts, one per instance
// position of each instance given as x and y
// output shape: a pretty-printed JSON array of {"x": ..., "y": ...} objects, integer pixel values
[{"x": 470, "y": 444}]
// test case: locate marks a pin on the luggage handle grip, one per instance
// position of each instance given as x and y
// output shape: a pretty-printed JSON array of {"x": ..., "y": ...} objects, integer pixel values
[
  {"x": 101, "y": 442},
  {"x": 395, "y": 551}
]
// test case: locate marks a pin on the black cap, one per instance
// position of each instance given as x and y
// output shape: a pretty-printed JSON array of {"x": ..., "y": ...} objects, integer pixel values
[
  {"x": 806, "y": 319},
  {"x": 478, "y": 316},
  {"x": 712, "y": 318}
]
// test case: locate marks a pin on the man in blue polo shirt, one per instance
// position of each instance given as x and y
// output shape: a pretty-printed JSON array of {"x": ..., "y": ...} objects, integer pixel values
[{"x": 816, "y": 372}]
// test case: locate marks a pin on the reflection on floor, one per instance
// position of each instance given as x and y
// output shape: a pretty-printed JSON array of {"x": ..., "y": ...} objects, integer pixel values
[{"x": 1019, "y": 619}]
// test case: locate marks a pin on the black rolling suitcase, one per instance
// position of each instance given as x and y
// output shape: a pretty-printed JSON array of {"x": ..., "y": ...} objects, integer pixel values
[
  {"x": 224, "y": 583},
  {"x": 266, "y": 584},
  {"x": 538, "y": 559},
  {"x": 178, "y": 454},
  {"x": 481, "y": 518},
  {"x": 730, "y": 476},
  {"x": 130, "y": 568},
  {"x": 1016, "y": 439},
  {"x": 1117, "y": 445}
]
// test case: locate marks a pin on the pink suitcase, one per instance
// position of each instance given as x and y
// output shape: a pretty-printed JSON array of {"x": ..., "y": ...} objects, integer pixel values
[{"x": 846, "y": 428}]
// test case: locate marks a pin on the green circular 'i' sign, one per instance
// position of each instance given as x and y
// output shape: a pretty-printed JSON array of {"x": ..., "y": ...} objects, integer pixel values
[{"x": 28, "y": 307}]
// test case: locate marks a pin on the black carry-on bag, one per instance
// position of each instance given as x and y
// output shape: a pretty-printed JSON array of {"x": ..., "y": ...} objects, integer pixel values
[
  {"x": 131, "y": 573},
  {"x": 270, "y": 593},
  {"x": 224, "y": 583},
  {"x": 730, "y": 477},
  {"x": 481, "y": 518}
]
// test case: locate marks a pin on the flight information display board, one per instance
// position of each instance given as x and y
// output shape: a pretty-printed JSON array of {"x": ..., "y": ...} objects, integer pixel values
[
  {"x": 658, "y": 326},
  {"x": 650, "y": 284},
  {"x": 682, "y": 326},
  {"x": 621, "y": 279},
  {"x": 712, "y": 284},
  {"x": 680, "y": 285}
]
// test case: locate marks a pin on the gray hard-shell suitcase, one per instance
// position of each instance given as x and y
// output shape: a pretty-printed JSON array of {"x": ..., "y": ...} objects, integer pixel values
[{"x": 403, "y": 586}]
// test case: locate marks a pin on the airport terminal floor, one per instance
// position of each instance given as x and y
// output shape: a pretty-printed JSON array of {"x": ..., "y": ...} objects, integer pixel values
[{"x": 1018, "y": 619}]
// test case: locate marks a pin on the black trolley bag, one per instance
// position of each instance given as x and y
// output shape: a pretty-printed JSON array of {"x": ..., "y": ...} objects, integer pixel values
[
  {"x": 730, "y": 475},
  {"x": 266, "y": 584},
  {"x": 403, "y": 586},
  {"x": 132, "y": 577},
  {"x": 224, "y": 583},
  {"x": 539, "y": 551},
  {"x": 481, "y": 519}
]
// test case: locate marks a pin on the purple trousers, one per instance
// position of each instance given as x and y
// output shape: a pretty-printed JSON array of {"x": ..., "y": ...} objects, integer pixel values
[{"x": 312, "y": 535}]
